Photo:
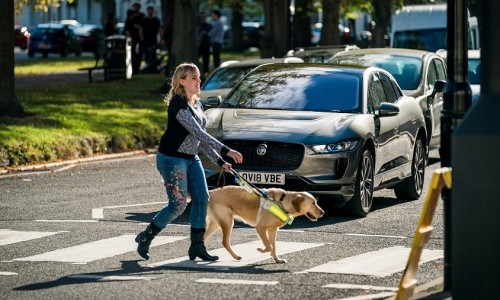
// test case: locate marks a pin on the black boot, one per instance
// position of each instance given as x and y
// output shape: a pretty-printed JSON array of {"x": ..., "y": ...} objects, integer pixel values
[
  {"x": 144, "y": 240},
  {"x": 197, "y": 248}
]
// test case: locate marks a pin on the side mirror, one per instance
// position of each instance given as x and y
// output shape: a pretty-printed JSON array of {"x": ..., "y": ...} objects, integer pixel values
[
  {"x": 212, "y": 101},
  {"x": 438, "y": 88},
  {"x": 388, "y": 109}
]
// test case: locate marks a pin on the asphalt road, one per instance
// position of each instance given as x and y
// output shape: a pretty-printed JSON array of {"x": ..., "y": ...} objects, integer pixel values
[{"x": 67, "y": 232}]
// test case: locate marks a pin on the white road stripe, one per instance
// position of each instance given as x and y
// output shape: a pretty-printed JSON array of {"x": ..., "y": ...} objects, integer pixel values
[
  {"x": 248, "y": 251},
  {"x": 98, "y": 213},
  {"x": 383, "y": 295},
  {"x": 360, "y": 287},
  {"x": 7, "y": 273},
  {"x": 8, "y": 236},
  {"x": 379, "y": 263},
  {"x": 92, "y": 251},
  {"x": 377, "y": 235},
  {"x": 234, "y": 281},
  {"x": 111, "y": 278},
  {"x": 67, "y": 221}
]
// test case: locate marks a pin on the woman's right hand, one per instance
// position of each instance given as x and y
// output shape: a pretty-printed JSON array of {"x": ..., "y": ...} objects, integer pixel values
[{"x": 236, "y": 156}]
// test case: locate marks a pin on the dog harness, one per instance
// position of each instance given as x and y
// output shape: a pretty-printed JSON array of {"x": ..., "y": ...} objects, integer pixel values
[{"x": 265, "y": 201}]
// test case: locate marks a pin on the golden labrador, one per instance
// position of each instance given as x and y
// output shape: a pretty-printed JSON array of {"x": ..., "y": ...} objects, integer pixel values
[{"x": 234, "y": 202}]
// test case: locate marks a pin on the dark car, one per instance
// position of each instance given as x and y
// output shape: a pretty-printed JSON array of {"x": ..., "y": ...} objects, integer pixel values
[
  {"x": 54, "y": 38},
  {"x": 338, "y": 132},
  {"x": 91, "y": 38},
  {"x": 420, "y": 74},
  {"x": 21, "y": 37}
]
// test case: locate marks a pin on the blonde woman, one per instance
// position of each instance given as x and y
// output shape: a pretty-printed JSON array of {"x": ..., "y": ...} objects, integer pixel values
[{"x": 179, "y": 165}]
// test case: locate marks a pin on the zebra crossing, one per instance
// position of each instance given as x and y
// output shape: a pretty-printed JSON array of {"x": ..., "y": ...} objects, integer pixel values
[{"x": 380, "y": 263}]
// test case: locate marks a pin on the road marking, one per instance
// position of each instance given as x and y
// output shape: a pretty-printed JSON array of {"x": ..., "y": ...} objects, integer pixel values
[
  {"x": 8, "y": 236},
  {"x": 92, "y": 251},
  {"x": 377, "y": 235},
  {"x": 67, "y": 221},
  {"x": 7, "y": 273},
  {"x": 248, "y": 251},
  {"x": 98, "y": 213},
  {"x": 111, "y": 278},
  {"x": 231, "y": 281},
  {"x": 383, "y": 295},
  {"x": 360, "y": 287},
  {"x": 379, "y": 263}
]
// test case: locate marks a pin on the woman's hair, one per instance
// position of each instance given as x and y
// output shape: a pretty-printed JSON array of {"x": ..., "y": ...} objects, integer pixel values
[{"x": 181, "y": 72}]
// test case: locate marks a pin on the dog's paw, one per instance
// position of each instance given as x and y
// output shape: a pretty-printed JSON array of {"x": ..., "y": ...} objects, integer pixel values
[
  {"x": 279, "y": 260},
  {"x": 263, "y": 250}
]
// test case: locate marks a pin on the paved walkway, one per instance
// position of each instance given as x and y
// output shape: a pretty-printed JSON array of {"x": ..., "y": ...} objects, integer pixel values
[{"x": 27, "y": 81}]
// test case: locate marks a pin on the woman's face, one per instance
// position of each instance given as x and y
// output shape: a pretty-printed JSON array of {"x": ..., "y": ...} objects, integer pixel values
[{"x": 191, "y": 84}]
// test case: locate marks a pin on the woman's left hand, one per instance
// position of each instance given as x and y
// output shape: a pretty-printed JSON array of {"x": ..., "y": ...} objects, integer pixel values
[
  {"x": 236, "y": 156},
  {"x": 227, "y": 167}
]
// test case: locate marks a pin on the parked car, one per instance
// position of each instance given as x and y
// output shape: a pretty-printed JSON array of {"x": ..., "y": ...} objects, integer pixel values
[
  {"x": 338, "y": 132},
  {"x": 21, "y": 37},
  {"x": 229, "y": 73},
  {"x": 344, "y": 32},
  {"x": 53, "y": 38},
  {"x": 91, "y": 38},
  {"x": 473, "y": 70},
  {"x": 319, "y": 54},
  {"x": 419, "y": 73}
]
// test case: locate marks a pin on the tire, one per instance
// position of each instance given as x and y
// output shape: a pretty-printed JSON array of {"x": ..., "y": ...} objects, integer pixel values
[
  {"x": 64, "y": 52},
  {"x": 45, "y": 54},
  {"x": 412, "y": 187},
  {"x": 31, "y": 53},
  {"x": 362, "y": 201}
]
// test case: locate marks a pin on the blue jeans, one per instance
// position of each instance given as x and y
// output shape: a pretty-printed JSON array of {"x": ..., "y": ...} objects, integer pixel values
[{"x": 182, "y": 177}]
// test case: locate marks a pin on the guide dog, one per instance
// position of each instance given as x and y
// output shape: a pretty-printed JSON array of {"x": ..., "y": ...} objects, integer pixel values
[{"x": 234, "y": 202}]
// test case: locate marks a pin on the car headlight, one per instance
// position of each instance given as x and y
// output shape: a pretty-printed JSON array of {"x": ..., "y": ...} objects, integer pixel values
[{"x": 335, "y": 147}]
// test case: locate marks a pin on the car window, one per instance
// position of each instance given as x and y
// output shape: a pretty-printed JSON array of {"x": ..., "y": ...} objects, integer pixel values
[
  {"x": 390, "y": 94},
  {"x": 376, "y": 94},
  {"x": 474, "y": 70},
  {"x": 441, "y": 69},
  {"x": 297, "y": 89},
  {"x": 431, "y": 75},
  {"x": 226, "y": 78}
]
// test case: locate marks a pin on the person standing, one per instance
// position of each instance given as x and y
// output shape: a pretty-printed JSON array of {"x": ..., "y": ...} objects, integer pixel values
[
  {"x": 133, "y": 30},
  {"x": 204, "y": 45},
  {"x": 178, "y": 162},
  {"x": 110, "y": 26},
  {"x": 216, "y": 36},
  {"x": 150, "y": 28}
]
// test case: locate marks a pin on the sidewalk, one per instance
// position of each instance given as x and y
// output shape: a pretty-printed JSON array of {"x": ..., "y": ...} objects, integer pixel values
[{"x": 37, "y": 80}]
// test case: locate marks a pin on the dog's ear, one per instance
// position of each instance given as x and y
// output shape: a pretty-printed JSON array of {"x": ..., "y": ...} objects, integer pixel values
[{"x": 297, "y": 201}]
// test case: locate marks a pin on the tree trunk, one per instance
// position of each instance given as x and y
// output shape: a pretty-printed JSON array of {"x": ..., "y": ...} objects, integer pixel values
[
  {"x": 9, "y": 105},
  {"x": 302, "y": 24},
  {"x": 267, "y": 40},
  {"x": 237, "y": 42},
  {"x": 382, "y": 17},
  {"x": 107, "y": 6},
  {"x": 330, "y": 29},
  {"x": 185, "y": 42}
]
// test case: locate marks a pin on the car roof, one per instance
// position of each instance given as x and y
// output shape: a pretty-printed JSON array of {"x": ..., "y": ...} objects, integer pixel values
[
  {"x": 51, "y": 25},
  {"x": 320, "y": 66},
  {"x": 254, "y": 62},
  {"x": 387, "y": 51}
]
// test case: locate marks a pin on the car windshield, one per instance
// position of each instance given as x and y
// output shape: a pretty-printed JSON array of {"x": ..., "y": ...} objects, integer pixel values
[
  {"x": 425, "y": 39},
  {"x": 226, "y": 78},
  {"x": 295, "y": 88},
  {"x": 406, "y": 70},
  {"x": 39, "y": 32}
]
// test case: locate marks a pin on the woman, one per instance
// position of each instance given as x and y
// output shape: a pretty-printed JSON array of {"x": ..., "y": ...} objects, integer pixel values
[{"x": 179, "y": 165}]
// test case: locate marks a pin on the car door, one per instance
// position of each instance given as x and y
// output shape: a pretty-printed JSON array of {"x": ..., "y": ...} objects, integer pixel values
[
  {"x": 386, "y": 130},
  {"x": 436, "y": 71}
]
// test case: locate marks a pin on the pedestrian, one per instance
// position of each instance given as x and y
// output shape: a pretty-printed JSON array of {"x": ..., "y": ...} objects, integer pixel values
[
  {"x": 150, "y": 29},
  {"x": 204, "y": 43},
  {"x": 179, "y": 165},
  {"x": 216, "y": 37},
  {"x": 132, "y": 30},
  {"x": 110, "y": 26}
]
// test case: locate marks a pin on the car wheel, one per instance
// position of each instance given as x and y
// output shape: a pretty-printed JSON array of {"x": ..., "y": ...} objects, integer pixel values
[
  {"x": 64, "y": 52},
  {"x": 412, "y": 187},
  {"x": 45, "y": 54},
  {"x": 31, "y": 53},
  {"x": 361, "y": 203}
]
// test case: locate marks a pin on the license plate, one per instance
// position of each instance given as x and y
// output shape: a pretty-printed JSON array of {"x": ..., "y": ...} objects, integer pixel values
[{"x": 264, "y": 178}]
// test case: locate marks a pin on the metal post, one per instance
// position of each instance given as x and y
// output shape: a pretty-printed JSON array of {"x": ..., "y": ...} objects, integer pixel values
[{"x": 457, "y": 99}]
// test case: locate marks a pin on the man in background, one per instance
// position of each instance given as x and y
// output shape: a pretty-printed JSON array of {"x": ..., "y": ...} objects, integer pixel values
[
  {"x": 216, "y": 36},
  {"x": 133, "y": 30},
  {"x": 204, "y": 45},
  {"x": 150, "y": 29}
]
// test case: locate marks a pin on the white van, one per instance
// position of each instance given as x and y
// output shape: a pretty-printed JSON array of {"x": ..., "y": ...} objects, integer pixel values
[{"x": 424, "y": 27}]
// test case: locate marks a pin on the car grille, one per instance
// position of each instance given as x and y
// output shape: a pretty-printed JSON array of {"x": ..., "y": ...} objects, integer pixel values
[{"x": 278, "y": 156}]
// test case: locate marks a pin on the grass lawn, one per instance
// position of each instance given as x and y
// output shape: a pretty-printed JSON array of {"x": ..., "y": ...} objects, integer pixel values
[{"x": 67, "y": 121}]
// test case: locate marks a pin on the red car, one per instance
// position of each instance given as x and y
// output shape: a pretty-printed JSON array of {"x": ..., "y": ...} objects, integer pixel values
[{"x": 21, "y": 37}]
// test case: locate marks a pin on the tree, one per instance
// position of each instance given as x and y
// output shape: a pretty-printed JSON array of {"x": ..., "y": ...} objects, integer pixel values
[
  {"x": 276, "y": 30},
  {"x": 302, "y": 23},
  {"x": 9, "y": 104},
  {"x": 330, "y": 30},
  {"x": 382, "y": 14}
]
